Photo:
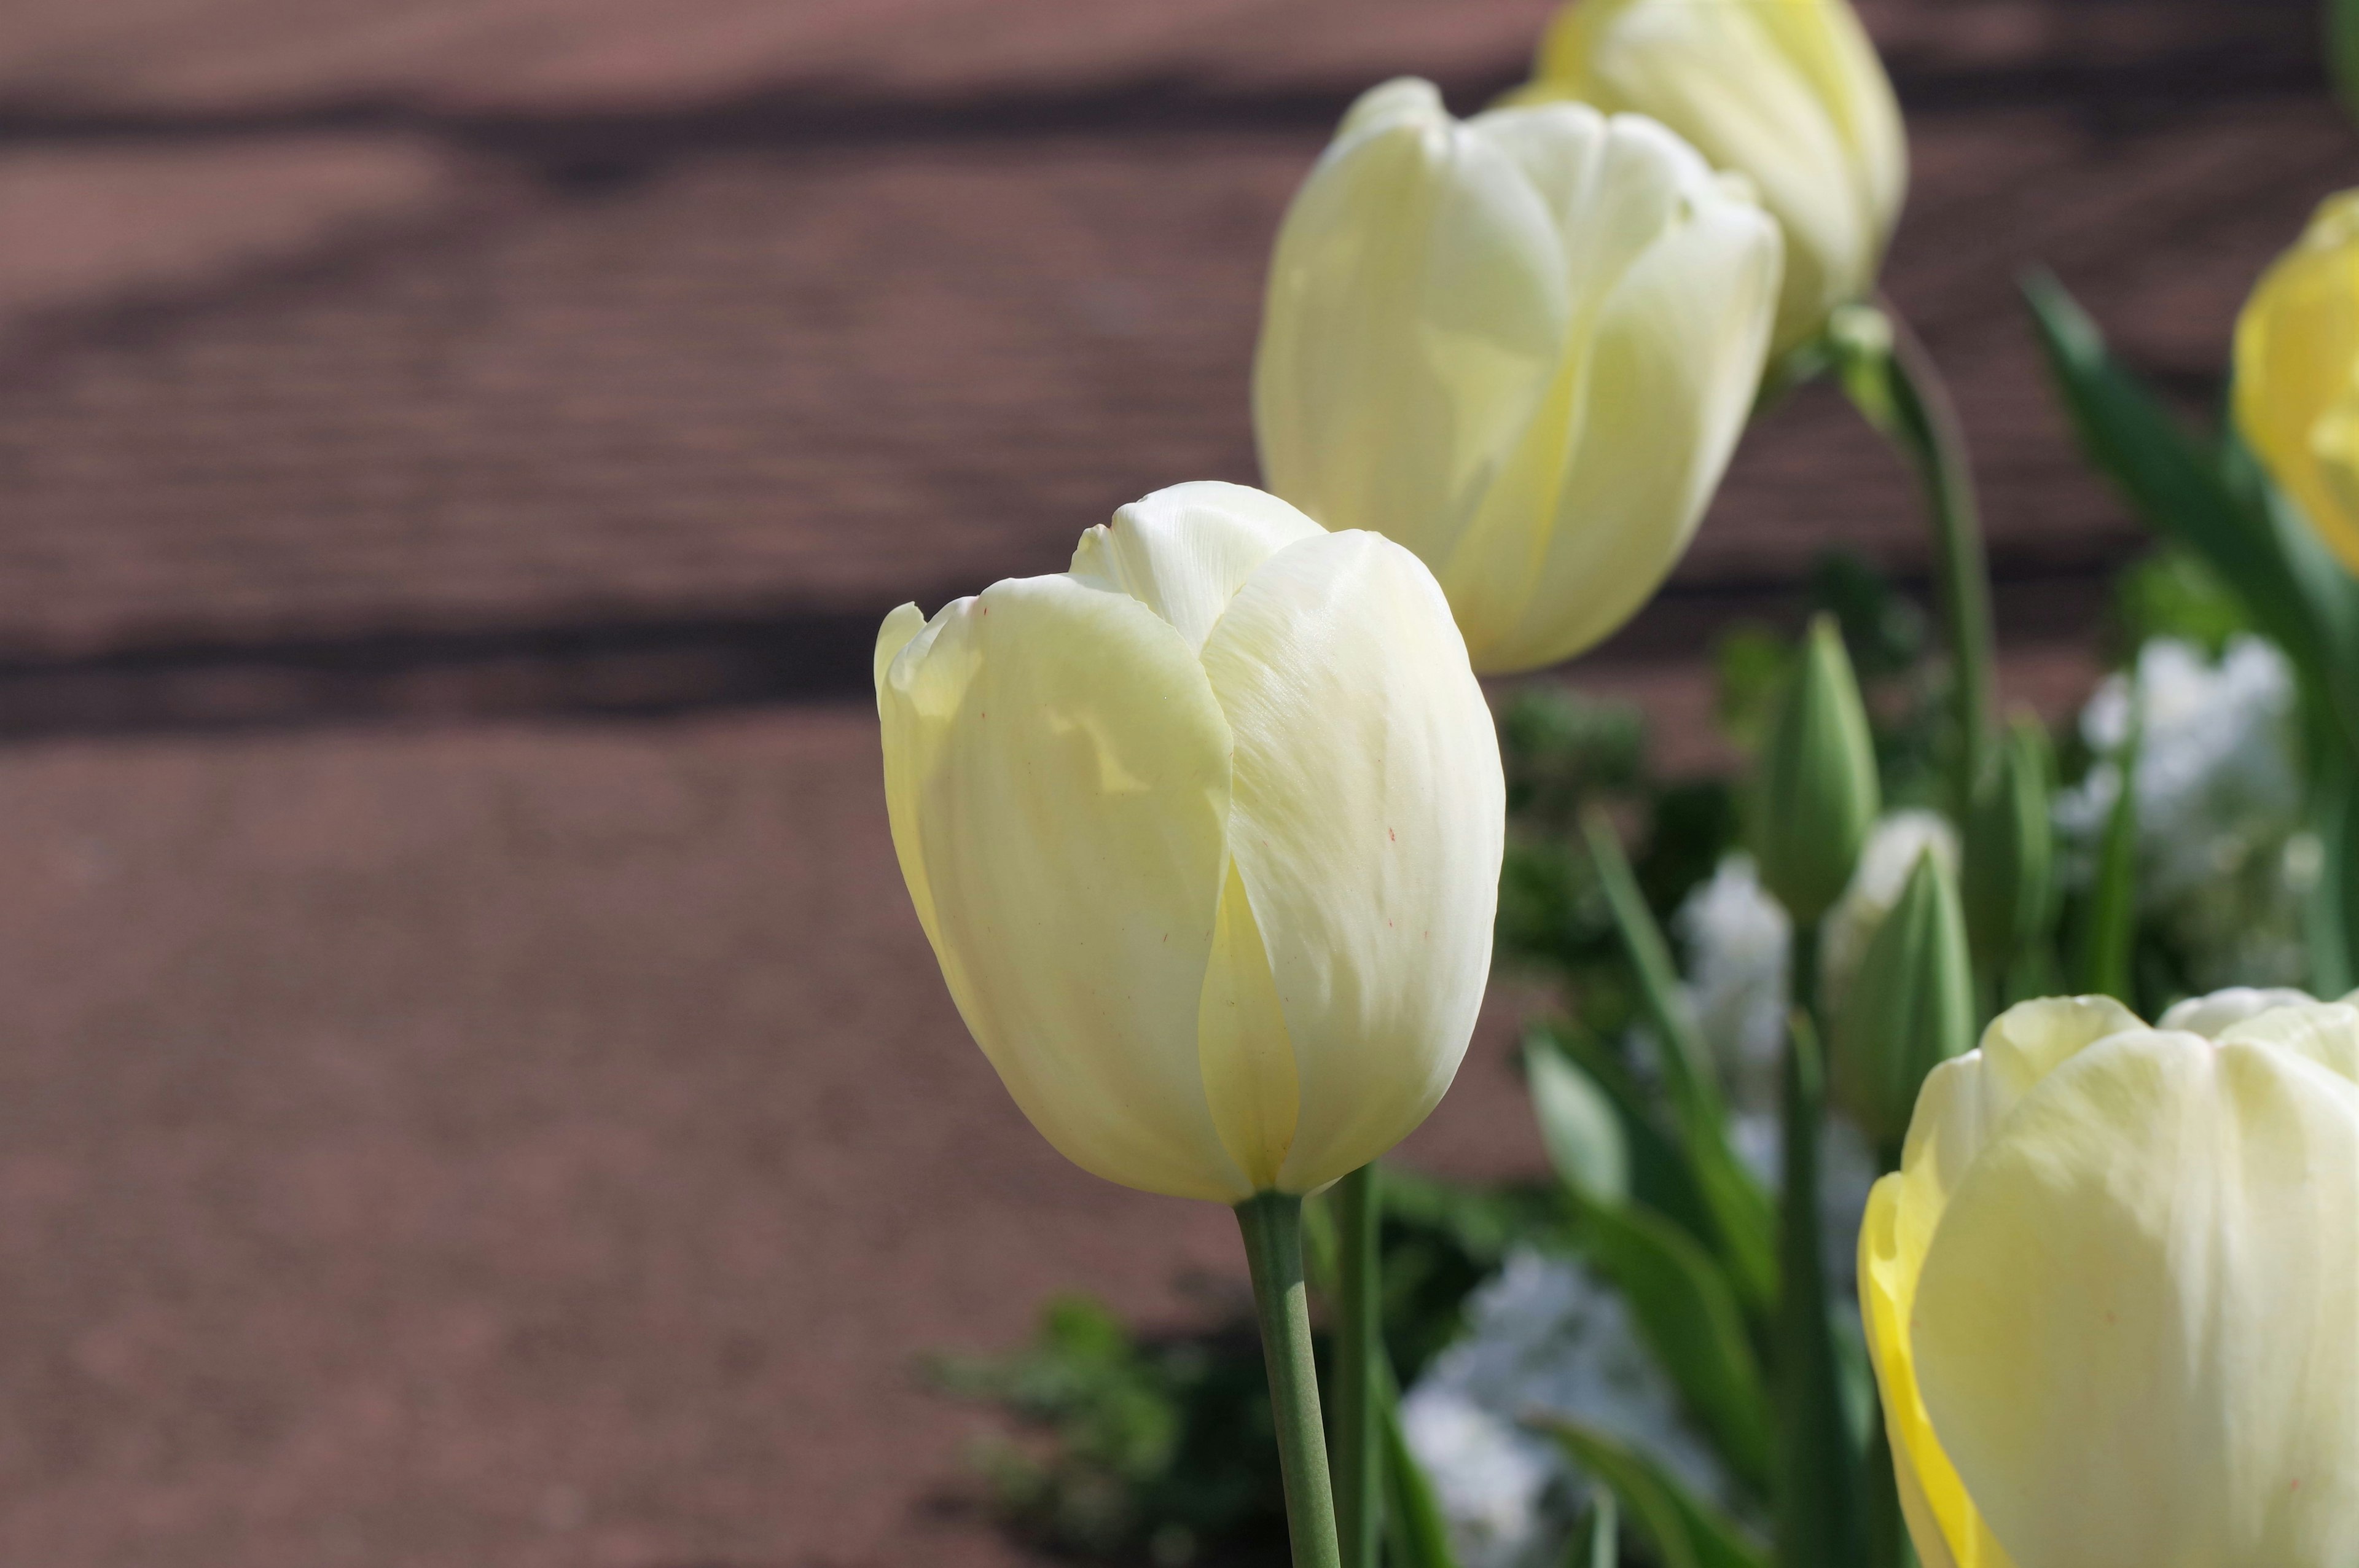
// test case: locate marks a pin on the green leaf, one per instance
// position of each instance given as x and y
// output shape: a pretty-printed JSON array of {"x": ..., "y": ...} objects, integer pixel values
[
  {"x": 1414, "y": 1528},
  {"x": 2109, "y": 927},
  {"x": 2342, "y": 52},
  {"x": 1741, "y": 1212},
  {"x": 1599, "y": 1545},
  {"x": 1688, "y": 1315},
  {"x": 1680, "y": 1530},
  {"x": 1817, "y": 1456},
  {"x": 1581, "y": 1126},
  {"x": 2164, "y": 473},
  {"x": 1659, "y": 1173},
  {"x": 2218, "y": 505}
]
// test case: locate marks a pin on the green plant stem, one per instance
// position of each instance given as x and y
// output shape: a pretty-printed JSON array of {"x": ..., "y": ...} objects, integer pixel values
[
  {"x": 1905, "y": 399},
  {"x": 1272, "y": 1227},
  {"x": 1359, "y": 1340},
  {"x": 1817, "y": 1524}
]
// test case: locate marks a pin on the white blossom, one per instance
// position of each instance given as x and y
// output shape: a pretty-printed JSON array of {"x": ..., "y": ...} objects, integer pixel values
[
  {"x": 1737, "y": 938},
  {"x": 1544, "y": 1335},
  {"x": 2222, "y": 860}
]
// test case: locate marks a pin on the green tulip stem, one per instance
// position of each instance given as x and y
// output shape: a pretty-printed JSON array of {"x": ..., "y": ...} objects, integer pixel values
[
  {"x": 1817, "y": 1471},
  {"x": 1272, "y": 1224},
  {"x": 1359, "y": 1341},
  {"x": 1894, "y": 384}
]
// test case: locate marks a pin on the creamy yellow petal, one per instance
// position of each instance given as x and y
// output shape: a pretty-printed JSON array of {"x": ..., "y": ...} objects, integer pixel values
[
  {"x": 2297, "y": 389},
  {"x": 1787, "y": 92},
  {"x": 2137, "y": 1329},
  {"x": 2213, "y": 1015},
  {"x": 1417, "y": 307},
  {"x": 2326, "y": 1032},
  {"x": 1243, "y": 1046},
  {"x": 1058, "y": 772},
  {"x": 1618, "y": 470},
  {"x": 1185, "y": 550},
  {"x": 1367, "y": 830},
  {"x": 1932, "y": 1500}
]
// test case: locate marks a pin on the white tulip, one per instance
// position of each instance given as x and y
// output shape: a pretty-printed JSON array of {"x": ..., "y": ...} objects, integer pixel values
[
  {"x": 1523, "y": 345},
  {"x": 1787, "y": 92},
  {"x": 2113, "y": 1293},
  {"x": 1205, "y": 833}
]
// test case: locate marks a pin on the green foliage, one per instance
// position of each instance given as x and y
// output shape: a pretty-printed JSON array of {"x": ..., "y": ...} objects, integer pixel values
[
  {"x": 1680, "y": 1529},
  {"x": 1159, "y": 1449},
  {"x": 2171, "y": 593},
  {"x": 1129, "y": 1446},
  {"x": 1560, "y": 748}
]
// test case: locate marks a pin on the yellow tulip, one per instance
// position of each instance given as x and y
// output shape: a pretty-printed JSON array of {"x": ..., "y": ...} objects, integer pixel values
[
  {"x": 2113, "y": 1293},
  {"x": 1787, "y": 92},
  {"x": 1523, "y": 345},
  {"x": 2298, "y": 374},
  {"x": 1205, "y": 833}
]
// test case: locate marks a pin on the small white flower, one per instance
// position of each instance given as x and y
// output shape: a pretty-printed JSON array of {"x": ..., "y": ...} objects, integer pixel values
[
  {"x": 1545, "y": 1336},
  {"x": 2220, "y": 853},
  {"x": 1737, "y": 939}
]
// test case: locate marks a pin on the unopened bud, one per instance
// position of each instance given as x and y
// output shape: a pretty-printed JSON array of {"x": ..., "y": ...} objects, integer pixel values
[
  {"x": 1818, "y": 794},
  {"x": 2009, "y": 880},
  {"x": 1911, "y": 1008}
]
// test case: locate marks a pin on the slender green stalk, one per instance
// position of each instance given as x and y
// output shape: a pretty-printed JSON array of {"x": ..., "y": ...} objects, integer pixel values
[
  {"x": 1359, "y": 1340},
  {"x": 1272, "y": 1226},
  {"x": 1818, "y": 1520},
  {"x": 1896, "y": 384}
]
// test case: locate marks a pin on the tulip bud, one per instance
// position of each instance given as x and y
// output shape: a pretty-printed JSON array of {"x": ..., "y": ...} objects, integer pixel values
[
  {"x": 2009, "y": 882},
  {"x": 1523, "y": 345},
  {"x": 2296, "y": 396},
  {"x": 1910, "y": 1007},
  {"x": 1787, "y": 92},
  {"x": 2112, "y": 1295},
  {"x": 1818, "y": 793},
  {"x": 1205, "y": 833}
]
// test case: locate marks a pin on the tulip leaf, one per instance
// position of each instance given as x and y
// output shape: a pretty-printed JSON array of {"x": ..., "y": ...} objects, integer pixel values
[
  {"x": 1415, "y": 1533},
  {"x": 1659, "y": 1176},
  {"x": 2330, "y": 915},
  {"x": 2342, "y": 52},
  {"x": 1678, "y": 1529},
  {"x": 1581, "y": 1126},
  {"x": 1741, "y": 1212},
  {"x": 1688, "y": 1315},
  {"x": 1599, "y": 1544},
  {"x": 1817, "y": 1454},
  {"x": 2221, "y": 507},
  {"x": 2109, "y": 924}
]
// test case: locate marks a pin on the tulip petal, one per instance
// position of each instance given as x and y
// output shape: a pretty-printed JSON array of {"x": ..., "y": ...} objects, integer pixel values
[
  {"x": 2326, "y": 1032},
  {"x": 1623, "y": 462},
  {"x": 1902, "y": 1211},
  {"x": 2213, "y": 1016},
  {"x": 2296, "y": 398},
  {"x": 1785, "y": 91},
  {"x": 1366, "y": 828},
  {"x": 1058, "y": 775},
  {"x": 1417, "y": 307},
  {"x": 2137, "y": 1330},
  {"x": 1185, "y": 550}
]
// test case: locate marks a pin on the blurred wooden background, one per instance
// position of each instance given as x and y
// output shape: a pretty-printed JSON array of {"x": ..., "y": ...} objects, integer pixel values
[{"x": 474, "y": 1091}]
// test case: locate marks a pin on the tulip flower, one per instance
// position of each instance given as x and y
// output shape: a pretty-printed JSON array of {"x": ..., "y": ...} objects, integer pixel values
[
  {"x": 2298, "y": 374},
  {"x": 1787, "y": 92},
  {"x": 2113, "y": 1293},
  {"x": 1523, "y": 345},
  {"x": 1205, "y": 833}
]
